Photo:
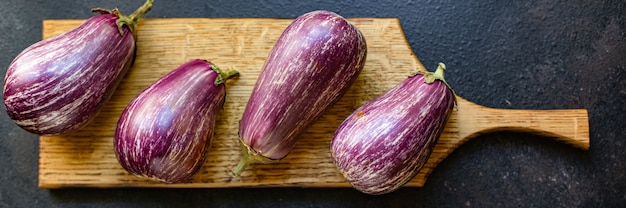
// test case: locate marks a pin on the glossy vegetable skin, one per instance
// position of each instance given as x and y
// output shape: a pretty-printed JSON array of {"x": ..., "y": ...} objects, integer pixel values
[
  {"x": 166, "y": 131},
  {"x": 311, "y": 66},
  {"x": 385, "y": 143},
  {"x": 59, "y": 84}
]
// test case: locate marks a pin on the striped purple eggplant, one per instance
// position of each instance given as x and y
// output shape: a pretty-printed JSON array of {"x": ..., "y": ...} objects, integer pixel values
[
  {"x": 165, "y": 132},
  {"x": 312, "y": 64},
  {"x": 59, "y": 84},
  {"x": 383, "y": 144}
]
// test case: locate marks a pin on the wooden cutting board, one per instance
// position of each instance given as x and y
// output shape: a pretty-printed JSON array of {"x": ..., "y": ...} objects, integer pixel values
[{"x": 86, "y": 159}]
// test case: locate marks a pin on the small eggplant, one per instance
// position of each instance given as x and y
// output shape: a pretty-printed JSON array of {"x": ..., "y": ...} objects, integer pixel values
[
  {"x": 383, "y": 144},
  {"x": 59, "y": 84},
  {"x": 165, "y": 132},
  {"x": 311, "y": 66}
]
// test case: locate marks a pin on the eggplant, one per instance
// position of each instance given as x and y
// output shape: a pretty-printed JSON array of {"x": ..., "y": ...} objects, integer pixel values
[
  {"x": 313, "y": 63},
  {"x": 59, "y": 84},
  {"x": 383, "y": 144},
  {"x": 165, "y": 132}
]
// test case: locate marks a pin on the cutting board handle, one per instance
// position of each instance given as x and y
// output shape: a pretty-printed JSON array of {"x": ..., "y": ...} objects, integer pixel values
[{"x": 570, "y": 126}]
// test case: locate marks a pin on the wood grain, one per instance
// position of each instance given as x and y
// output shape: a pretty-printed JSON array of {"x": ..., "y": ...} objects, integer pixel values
[{"x": 85, "y": 158}]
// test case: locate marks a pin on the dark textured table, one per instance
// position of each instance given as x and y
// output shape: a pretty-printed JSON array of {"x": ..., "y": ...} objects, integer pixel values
[{"x": 537, "y": 54}]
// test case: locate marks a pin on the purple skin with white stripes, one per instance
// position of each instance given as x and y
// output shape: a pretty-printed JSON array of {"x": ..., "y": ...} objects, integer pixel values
[
  {"x": 383, "y": 144},
  {"x": 165, "y": 132},
  {"x": 59, "y": 84},
  {"x": 313, "y": 63}
]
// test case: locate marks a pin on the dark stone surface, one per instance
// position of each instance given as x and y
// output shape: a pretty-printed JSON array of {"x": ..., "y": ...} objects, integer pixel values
[{"x": 537, "y": 54}]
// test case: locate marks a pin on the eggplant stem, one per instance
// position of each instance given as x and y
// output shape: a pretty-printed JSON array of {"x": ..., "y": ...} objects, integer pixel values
[
  {"x": 249, "y": 156},
  {"x": 130, "y": 21},
  {"x": 242, "y": 165},
  {"x": 136, "y": 16},
  {"x": 430, "y": 77},
  {"x": 441, "y": 69},
  {"x": 221, "y": 76}
]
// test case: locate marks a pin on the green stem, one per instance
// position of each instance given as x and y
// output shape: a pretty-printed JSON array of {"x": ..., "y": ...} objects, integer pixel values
[
  {"x": 441, "y": 69},
  {"x": 242, "y": 165},
  {"x": 136, "y": 16},
  {"x": 130, "y": 21},
  {"x": 430, "y": 77},
  {"x": 221, "y": 76},
  {"x": 249, "y": 156}
]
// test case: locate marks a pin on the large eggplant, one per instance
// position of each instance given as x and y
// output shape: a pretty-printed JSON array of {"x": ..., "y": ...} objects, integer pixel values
[
  {"x": 59, "y": 84},
  {"x": 313, "y": 63},
  {"x": 165, "y": 132},
  {"x": 383, "y": 144}
]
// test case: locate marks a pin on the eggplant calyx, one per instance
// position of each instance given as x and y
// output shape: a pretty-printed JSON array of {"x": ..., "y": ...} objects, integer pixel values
[
  {"x": 249, "y": 156},
  {"x": 430, "y": 77},
  {"x": 223, "y": 76},
  {"x": 129, "y": 21}
]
